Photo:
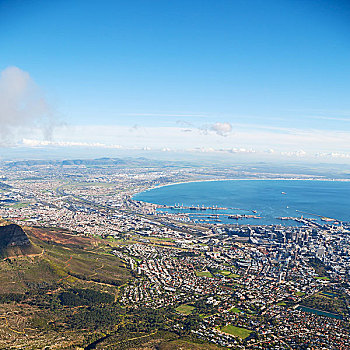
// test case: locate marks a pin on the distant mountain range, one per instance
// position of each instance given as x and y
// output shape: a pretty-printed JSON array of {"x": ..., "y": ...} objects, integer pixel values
[{"x": 90, "y": 162}]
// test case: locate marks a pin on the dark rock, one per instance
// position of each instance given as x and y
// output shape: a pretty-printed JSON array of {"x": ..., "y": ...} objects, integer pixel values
[{"x": 14, "y": 241}]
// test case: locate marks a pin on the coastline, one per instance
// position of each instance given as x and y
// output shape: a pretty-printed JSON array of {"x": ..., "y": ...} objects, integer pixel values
[
  {"x": 148, "y": 198},
  {"x": 238, "y": 179}
]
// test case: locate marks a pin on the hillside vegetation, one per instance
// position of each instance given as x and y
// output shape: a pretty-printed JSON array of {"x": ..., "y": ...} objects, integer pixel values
[{"x": 65, "y": 296}]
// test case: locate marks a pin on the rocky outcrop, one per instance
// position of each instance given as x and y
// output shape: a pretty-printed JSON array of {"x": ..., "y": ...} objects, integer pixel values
[{"x": 14, "y": 241}]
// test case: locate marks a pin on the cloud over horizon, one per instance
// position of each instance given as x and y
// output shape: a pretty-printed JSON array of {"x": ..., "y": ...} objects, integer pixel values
[
  {"x": 222, "y": 129},
  {"x": 22, "y": 106},
  {"x": 40, "y": 143},
  {"x": 283, "y": 144},
  {"x": 26, "y": 115}
]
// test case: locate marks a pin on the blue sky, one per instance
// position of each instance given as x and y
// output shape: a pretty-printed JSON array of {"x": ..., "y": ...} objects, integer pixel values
[{"x": 260, "y": 76}]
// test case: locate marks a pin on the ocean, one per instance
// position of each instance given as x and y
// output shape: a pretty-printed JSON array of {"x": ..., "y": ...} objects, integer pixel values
[{"x": 269, "y": 199}]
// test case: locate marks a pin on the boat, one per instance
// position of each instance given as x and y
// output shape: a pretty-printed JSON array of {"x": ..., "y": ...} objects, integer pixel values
[{"x": 236, "y": 217}]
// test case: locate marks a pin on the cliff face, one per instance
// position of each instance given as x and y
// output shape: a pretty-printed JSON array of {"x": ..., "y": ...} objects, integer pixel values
[{"x": 14, "y": 241}]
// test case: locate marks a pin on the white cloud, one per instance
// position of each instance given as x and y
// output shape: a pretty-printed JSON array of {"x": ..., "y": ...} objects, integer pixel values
[
  {"x": 298, "y": 144},
  {"x": 241, "y": 150},
  {"x": 173, "y": 137},
  {"x": 40, "y": 143},
  {"x": 333, "y": 155},
  {"x": 300, "y": 153},
  {"x": 222, "y": 129},
  {"x": 22, "y": 106},
  {"x": 165, "y": 115}
]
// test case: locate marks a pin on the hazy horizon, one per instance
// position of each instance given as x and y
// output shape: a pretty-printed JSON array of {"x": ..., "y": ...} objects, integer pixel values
[{"x": 259, "y": 79}]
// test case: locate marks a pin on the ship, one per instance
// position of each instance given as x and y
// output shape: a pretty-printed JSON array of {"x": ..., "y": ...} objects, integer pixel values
[{"x": 236, "y": 217}]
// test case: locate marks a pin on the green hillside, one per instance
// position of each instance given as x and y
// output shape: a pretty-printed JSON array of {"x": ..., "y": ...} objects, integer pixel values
[
  {"x": 66, "y": 296},
  {"x": 67, "y": 284}
]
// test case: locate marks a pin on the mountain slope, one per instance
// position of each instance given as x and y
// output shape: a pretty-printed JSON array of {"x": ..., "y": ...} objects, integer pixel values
[{"x": 14, "y": 242}]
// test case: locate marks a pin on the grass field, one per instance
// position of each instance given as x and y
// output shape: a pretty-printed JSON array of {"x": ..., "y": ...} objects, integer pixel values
[
  {"x": 203, "y": 274},
  {"x": 235, "y": 310},
  {"x": 20, "y": 205},
  {"x": 225, "y": 272},
  {"x": 328, "y": 301},
  {"x": 236, "y": 331},
  {"x": 185, "y": 309},
  {"x": 327, "y": 294}
]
